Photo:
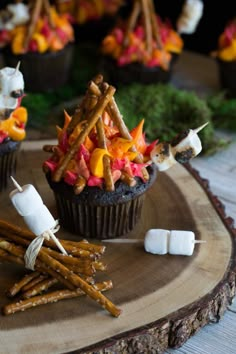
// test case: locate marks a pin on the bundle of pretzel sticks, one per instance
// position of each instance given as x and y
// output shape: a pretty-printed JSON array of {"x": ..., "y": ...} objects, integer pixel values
[{"x": 75, "y": 272}]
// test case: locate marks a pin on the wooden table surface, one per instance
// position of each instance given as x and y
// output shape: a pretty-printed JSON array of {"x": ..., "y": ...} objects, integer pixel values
[{"x": 220, "y": 171}]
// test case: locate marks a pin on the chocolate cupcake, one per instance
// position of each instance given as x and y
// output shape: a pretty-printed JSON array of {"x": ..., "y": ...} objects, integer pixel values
[
  {"x": 13, "y": 119},
  {"x": 44, "y": 46},
  {"x": 99, "y": 171},
  {"x": 134, "y": 52},
  {"x": 96, "y": 213}
]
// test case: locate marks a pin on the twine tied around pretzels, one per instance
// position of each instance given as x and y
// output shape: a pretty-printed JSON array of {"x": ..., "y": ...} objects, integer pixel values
[{"x": 35, "y": 246}]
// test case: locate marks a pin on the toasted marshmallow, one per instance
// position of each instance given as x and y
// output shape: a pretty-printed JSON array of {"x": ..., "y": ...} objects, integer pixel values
[
  {"x": 187, "y": 145},
  {"x": 162, "y": 156}
]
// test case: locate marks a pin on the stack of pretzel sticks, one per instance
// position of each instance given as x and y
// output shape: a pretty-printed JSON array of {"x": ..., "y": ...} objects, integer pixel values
[
  {"x": 97, "y": 100},
  {"x": 74, "y": 273}
]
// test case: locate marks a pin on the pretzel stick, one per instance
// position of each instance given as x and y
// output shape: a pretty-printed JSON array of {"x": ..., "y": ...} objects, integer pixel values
[
  {"x": 39, "y": 288},
  {"x": 127, "y": 179},
  {"x": 80, "y": 111},
  {"x": 47, "y": 10},
  {"x": 34, "y": 282},
  {"x": 55, "y": 296},
  {"x": 34, "y": 18},
  {"x": 16, "y": 288},
  {"x": 147, "y": 24},
  {"x": 79, "y": 185},
  {"x": 92, "y": 119},
  {"x": 78, "y": 282},
  {"x": 17, "y": 256},
  {"x": 131, "y": 22},
  {"x": 106, "y": 159},
  {"x": 7, "y": 257},
  {"x": 45, "y": 285},
  {"x": 155, "y": 27},
  {"x": 9, "y": 230}
]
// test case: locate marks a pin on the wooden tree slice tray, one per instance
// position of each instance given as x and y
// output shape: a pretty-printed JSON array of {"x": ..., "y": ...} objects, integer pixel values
[{"x": 164, "y": 299}]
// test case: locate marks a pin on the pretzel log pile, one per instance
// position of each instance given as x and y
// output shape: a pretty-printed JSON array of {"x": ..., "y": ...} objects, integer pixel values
[{"x": 75, "y": 272}]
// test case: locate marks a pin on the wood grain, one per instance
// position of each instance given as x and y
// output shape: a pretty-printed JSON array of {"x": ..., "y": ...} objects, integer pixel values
[{"x": 165, "y": 299}]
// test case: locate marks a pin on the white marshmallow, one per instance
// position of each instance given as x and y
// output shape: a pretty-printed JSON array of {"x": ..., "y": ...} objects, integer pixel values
[
  {"x": 156, "y": 241},
  {"x": 18, "y": 15},
  {"x": 176, "y": 242},
  {"x": 162, "y": 156},
  {"x": 11, "y": 80},
  {"x": 30, "y": 206},
  {"x": 40, "y": 220},
  {"x": 191, "y": 142},
  {"x": 189, "y": 18},
  {"x": 26, "y": 202},
  {"x": 181, "y": 242}
]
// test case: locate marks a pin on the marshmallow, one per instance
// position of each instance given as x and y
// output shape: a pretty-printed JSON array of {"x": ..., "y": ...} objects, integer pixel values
[
  {"x": 176, "y": 242},
  {"x": 40, "y": 220},
  {"x": 27, "y": 201},
  {"x": 30, "y": 206},
  {"x": 11, "y": 81},
  {"x": 162, "y": 156},
  {"x": 156, "y": 241},
  {"x": 191, "y": 14},
  {"x": 188, "y": 147}
]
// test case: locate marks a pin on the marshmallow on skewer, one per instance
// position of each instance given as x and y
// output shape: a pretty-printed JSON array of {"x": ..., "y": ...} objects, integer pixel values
[
  {"x": 30, "y": 206},
  {"x": 190, "y": 16},
  {"x": 11, "y": 87},
  {"x": 37, "y": 217},
  {"x": 175, "y": 242},
  {"x": 187, "y": 145}
]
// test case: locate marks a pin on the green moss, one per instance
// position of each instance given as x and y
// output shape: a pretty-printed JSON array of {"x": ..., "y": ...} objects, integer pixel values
[
  {"x": 223, "y": 111},
  {"x": 166, "y": 110}
]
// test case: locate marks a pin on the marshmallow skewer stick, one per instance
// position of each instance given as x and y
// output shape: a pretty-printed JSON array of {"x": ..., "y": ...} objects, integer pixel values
[
  {"x": 159, "y": 241},
  {"x": 37, "y": 217}
]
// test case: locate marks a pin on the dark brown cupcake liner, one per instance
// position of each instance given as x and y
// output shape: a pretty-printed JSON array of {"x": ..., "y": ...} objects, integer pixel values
[
  {"x": 99, "y": 222},
  {"x": 8, "y": 165},
  {"x": 96, "y": 213},
  {"x": 135, "y": 72},
  {"x": 43, "y": 72}
]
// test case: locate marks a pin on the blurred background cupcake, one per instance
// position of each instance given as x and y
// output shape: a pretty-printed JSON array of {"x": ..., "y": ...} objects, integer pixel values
[
  {"x": 92, "y": 19},
  {"x": 13, "y": 119},
  {"x": 226, "y": 58},
  {"x": 42, "y": 42},
  {"x": 141, "y": 48}
]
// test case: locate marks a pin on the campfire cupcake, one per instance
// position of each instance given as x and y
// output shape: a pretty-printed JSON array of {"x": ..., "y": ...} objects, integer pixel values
[
  {"x": 13, "y": 119},
  {"x": 99, "y": 171},
  {"x": 226, "y": 58},
  {"x": 142, "y": 49},
  {"x": 43, "y": 45},
  {"x": 92, "y": 19}
]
